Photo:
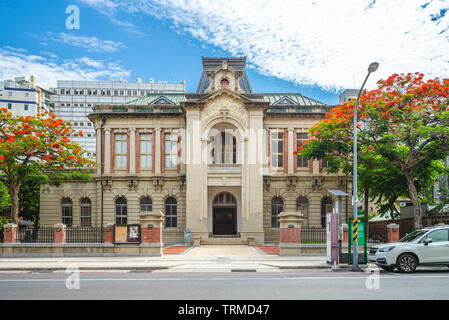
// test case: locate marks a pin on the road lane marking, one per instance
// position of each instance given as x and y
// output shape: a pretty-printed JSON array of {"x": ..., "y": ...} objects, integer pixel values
[{"x": 223, "y": 279}]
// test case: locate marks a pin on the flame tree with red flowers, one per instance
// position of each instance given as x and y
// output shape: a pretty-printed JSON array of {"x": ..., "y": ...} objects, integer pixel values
[
  {"x": 40, "y": 143},
  {"x": 403, "y": 137}
]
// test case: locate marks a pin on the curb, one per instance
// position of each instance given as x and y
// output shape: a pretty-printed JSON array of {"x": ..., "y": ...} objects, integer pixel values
[{"x": 82, "y": 268}]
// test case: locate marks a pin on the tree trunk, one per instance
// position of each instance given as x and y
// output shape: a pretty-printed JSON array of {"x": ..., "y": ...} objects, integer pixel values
[
  {"x": 14, "y": 191},
  {"x": 417, "y": 214}
]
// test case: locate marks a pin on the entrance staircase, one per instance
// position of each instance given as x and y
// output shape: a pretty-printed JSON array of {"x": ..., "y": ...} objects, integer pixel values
[{"x": 224, "y": 240}]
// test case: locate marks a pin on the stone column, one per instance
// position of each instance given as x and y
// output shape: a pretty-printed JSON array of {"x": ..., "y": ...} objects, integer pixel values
[
  {"x": 393, "y": 232},
  {"x": 98, "y": 151},
  {"x": 132, "y": 151},
  {"x": 290, "y": 150},
  {"x": 157, "y": 156},
  {"x": 59, "y": 233},
  {"x": 290, "y": 230},
  {"x": 151, "y": 233},
  {"x": 10, "y": 233},
  {"x": 107, "y": 151}
]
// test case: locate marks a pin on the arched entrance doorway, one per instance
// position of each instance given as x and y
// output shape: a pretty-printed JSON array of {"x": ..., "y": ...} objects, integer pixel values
[{"x": 224, "y": 214}]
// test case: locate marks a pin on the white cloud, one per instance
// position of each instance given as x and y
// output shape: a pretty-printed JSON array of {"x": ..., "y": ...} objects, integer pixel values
[
  {"x": 48, "y": 71},
  {"x": 89, "y": 43},
  {"x": 326, "y": 43}
]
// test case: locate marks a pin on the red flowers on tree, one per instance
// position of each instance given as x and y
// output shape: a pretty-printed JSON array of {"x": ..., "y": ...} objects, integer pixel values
[
  {"x": 40, "y": 142},
  {"x": 404, "y": 125}
]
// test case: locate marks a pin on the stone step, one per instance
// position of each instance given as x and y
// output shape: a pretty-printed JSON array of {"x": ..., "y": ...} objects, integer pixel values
[{"x": 224, "y": 241}]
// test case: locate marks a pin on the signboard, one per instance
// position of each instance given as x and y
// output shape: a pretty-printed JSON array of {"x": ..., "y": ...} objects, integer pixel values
[
  {"x": 127, "y": 233},
  {"x": 360, "y": 233},
  {"x": 188, "y": 236}
]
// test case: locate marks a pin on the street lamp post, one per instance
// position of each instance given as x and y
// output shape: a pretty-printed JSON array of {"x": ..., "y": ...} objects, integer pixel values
[{"x": 355, "y": 259}]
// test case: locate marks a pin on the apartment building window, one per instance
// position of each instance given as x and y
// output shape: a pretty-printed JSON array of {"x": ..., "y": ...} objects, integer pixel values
[
  {"x": 146, "y": 149},
  {"x": 129, "y": 93},
  {"x": 277, "y": 149},
  {"x": 103, "y": 92},
  {"x": 94, "y": 92},
  {"x": 62, "y": 91},
  {"x": 89, "y": 92},
  {"x": 121, "y": 150},
  {"x": 9, "y": 94},
  {"x": 135, "y": 93},
  {"x": 300, "y": 160},
  {"x": 81, "y": 91},
  {"x": 121, "y": 92},
  {"x": 115, "y": 92},
  {"x": 171, "y": 140},
  {"x": 108, "y": 92},
  {"x": 26, "y": 107},
  {"x": 27, "y": 94},
  {"x": 67, "y": 91},
  {"x": 9, "y": 106},
  {"x": 75, "y": 91}
]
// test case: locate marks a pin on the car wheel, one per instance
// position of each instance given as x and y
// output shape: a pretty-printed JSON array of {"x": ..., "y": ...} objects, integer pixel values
[
  {"x": 388, "y": 269},
  {"x": 407, "y": 263}
]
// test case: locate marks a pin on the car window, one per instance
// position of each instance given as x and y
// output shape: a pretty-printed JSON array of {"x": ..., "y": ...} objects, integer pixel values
[
  {"x": 413, "y": 235},
  {"x": 439, "y": 235}
]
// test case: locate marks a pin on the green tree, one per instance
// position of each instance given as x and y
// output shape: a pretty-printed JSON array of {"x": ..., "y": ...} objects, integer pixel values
[
  {"x": 403, "y": 132},
  {"x": 35, "y": 144}
]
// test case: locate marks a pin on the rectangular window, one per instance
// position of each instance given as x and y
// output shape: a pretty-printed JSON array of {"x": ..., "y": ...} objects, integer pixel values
[
  {"x": 26, "y": 107},
  {"x": 301, "y": 162},
  {"x": 146, "y": 149},
  {"x": 171, "y": 140},
  {"x": 121, "y": 141},
  {"x": 277, "y": 149},
  {"x": 9, "y": 106}
]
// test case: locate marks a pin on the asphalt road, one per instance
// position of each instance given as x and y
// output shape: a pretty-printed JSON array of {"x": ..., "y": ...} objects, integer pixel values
[{"x": 291, "y": 285}]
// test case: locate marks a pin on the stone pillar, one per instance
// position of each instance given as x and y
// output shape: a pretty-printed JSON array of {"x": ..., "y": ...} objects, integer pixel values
[
  {"x": 10, "y": 233},
  {"x": 290, "y": 230},
  {"x": 109, "y": 233},
  {"x": 157, "y": 157},
  {"x": 107, "y": 151},
  {"x": 132, "y": 151},
  {"x": 59, "y": 233},
  {"x": 393, "y": 232},
  {"x": 151, "y": 233},
  {"x": 98, "y": 151},
  {"x": 291, "y": 140}
]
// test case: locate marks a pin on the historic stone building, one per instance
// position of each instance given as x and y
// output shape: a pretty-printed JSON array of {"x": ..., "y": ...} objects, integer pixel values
[{"x": 219, "y": 162}]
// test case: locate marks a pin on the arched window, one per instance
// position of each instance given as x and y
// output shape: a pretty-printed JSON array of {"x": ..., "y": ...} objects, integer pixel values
[
  {"x": 67, "y": 212},
  {"x": 326, "y": 207},
  {"x": 224, "y": 82},
  {"x": 121, "y": 216},
  {"x": 86, "y": 213},
  {"x": 277, "y": 206},
  {"x": 224, "y": 199},
  {"x": 302, "y": 205},
  {"x": 171, "y": 212},
  {"x": 224, "y": 148},
  {"x": 146, "y": 204}
]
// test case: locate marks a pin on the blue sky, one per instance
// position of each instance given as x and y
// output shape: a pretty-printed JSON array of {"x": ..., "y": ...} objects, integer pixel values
[{"x": 312, "y": 47}]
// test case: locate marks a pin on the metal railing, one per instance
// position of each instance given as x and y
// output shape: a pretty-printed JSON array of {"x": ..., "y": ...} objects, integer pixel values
[
  {"x": 377, "y": 235},
  {"x": 313, "y": 235},
  {"x": 34, "y": 234},
  {"x": 84, "y": 235}
]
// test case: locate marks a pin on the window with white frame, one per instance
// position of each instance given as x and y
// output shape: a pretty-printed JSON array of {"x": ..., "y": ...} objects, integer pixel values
[
  {"x": 171, "y": 150},
  {"x": 277, "y": 149},
  {"x": 146, "y": 150},
  {"x": 121, "y": 141}
]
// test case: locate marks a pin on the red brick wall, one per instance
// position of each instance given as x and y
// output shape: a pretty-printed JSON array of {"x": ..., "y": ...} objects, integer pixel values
[{"x": 290, "y": 235}]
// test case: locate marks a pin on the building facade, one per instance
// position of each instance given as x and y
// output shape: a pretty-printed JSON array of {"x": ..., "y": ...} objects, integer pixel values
[
  {"x": 74, "y": 100},
  {"x": 23, "y": 97},
  {"x": 219, "y": 162}
]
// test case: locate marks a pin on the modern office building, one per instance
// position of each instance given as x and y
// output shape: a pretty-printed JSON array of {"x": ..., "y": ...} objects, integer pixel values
[
  {"x": 74, "y": 100},
  {"x": 23, "y": 97},
  {"x": 219, "y": 162}
]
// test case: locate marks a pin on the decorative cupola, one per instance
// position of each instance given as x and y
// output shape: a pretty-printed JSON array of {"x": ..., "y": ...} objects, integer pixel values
[{"x": 224, "y": 76}]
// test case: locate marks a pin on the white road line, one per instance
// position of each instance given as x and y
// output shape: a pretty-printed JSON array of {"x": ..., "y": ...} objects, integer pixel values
[{"x": 222, "y": 279}]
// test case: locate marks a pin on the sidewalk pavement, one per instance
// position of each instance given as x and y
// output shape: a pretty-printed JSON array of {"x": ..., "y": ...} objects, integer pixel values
[{"x": 196, "y": 259}]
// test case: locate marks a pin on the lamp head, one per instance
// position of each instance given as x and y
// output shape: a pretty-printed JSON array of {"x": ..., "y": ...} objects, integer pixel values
[{"x": 373, "y": 66}]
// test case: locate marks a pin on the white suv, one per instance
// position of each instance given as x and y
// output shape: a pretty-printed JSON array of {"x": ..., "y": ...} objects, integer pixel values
[{"x": 428, "y": 246}]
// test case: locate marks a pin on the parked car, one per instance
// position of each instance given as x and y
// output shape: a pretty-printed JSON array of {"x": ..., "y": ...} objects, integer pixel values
[{"x": 427, "y": 247}]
